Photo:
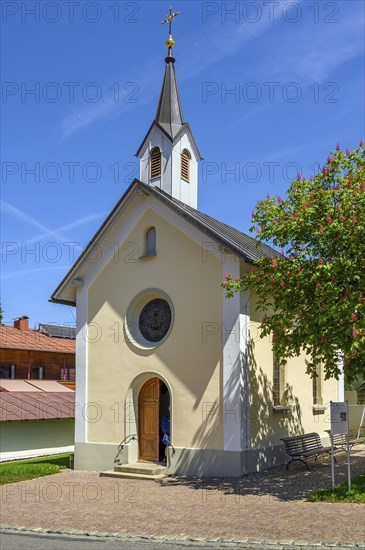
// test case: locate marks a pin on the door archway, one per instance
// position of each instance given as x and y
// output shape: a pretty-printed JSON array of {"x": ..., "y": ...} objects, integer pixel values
[{"x": 153, "y": 403}]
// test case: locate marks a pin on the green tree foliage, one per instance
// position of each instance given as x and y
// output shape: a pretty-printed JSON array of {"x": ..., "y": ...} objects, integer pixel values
[
  {"x": 312, "y": 293},
  {"x": 1, "y": 314}
]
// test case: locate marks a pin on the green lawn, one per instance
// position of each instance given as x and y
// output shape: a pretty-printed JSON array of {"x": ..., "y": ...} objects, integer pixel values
[
  {"x": 20, "y": 470},
  {"x": 341, "y": 493}
]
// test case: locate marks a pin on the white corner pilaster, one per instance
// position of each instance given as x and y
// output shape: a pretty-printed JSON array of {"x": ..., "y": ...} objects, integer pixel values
[
  {"x": 81, "y": 366},
  {"x": 232, "y": 413},
  {"x": 341, "y": 380}
]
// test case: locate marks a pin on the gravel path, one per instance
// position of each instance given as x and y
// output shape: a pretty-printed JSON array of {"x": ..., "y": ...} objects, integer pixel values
[{"x": 269, "y": 506}]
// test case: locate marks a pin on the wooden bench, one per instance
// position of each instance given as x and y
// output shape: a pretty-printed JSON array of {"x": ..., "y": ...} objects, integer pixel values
[
  {"x": 340, "y": 440},
  {"x": 301, "y": 447}
]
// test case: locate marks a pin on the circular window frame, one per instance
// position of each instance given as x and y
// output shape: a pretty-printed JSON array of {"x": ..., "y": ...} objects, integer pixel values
[{"x": 135, "y": 308}]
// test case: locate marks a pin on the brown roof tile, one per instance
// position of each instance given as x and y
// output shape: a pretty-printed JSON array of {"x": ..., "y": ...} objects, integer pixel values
[
  {"x": 33, "y": 340},
  {"x": 36, "y": 406}
]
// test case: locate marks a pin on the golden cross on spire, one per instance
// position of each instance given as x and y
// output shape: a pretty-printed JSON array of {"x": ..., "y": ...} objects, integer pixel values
[{"x": 170, "y": 19}]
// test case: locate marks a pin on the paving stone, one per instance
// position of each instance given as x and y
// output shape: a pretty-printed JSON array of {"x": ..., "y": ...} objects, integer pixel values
[{"x": 264, "y": 510}]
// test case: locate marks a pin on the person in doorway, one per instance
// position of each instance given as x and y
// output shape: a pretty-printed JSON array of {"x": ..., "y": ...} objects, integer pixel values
[{"x": 165, "y": 428}]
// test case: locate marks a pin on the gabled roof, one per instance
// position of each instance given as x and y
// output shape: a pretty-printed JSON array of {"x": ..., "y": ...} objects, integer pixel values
[
  {"x": 185, "y": 126},
  {"x": 34, "y": 340},
  {"x": 232, "y": 240}
]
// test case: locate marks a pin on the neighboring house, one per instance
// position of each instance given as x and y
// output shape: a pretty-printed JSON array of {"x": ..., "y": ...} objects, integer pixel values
[
  {"x": 46, "y": 353},
  {"x": 36, "y": 418},
  {"x": 156, "y": 331}
]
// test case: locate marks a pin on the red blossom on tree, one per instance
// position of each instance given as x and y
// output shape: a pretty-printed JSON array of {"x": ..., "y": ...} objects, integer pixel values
[{"x": 317, "y": 284}]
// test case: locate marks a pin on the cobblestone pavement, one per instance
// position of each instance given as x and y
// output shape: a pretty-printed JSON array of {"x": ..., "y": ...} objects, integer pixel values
[{"x": 264, "y": 510}]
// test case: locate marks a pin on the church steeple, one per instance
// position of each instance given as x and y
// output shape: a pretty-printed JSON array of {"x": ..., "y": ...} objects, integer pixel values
[
  {"x": 168, "y": 154},
  {"x": 169, "y": 112}
]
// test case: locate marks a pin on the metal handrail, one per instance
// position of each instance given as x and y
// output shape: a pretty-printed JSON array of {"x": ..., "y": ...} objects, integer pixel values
[{"x": 121, "y": 445}]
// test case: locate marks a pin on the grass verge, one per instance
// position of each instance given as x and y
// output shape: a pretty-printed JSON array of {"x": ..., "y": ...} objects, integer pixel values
[
  {"x": 21, "y": 470},
  {"x": 341, "y": 492}
]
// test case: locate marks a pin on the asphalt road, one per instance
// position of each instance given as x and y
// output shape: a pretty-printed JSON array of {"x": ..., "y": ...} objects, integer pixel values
[{"x": 34, "y": 541}]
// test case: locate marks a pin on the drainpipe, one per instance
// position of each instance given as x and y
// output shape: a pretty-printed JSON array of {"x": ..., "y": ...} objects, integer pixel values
[{"x": 28, "y": 365}]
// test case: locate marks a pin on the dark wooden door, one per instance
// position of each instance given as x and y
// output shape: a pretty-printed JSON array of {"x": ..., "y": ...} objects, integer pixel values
[{"x": 148, "y": 420}]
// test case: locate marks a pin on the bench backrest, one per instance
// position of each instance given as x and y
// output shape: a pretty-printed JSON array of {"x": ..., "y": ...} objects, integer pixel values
[
  {"x": 341, "y": 439},
  {"x": 301, "y": 443}
]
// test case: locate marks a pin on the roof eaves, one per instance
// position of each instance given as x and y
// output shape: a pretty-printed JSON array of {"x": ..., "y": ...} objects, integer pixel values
[
  {"x": 185, "y": 126},
  {"x": 154, "y": 123},
  {"x": 71, "y": 273},
  {"x": 183, "y": 213}
]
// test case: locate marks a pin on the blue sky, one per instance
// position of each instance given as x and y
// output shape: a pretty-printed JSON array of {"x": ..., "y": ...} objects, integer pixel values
[{"x": 268, "y": 88}]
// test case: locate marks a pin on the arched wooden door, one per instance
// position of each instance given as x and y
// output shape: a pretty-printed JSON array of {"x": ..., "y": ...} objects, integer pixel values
[{"x": 148, "y": 420}]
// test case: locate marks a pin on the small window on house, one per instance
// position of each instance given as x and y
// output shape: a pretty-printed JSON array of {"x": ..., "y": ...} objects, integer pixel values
[
  {"x": 361, "y": 396},
  {"x": 155, "y": 163},
  {"x": 8, "y": 371},
  {"x": 67, "y": 374},
  {"x": 185, "y": 165},
  {"x": 38, "y": 373},
  {"x": 317, "y": 387},
  {"x": 150, "y": 249},
  {"x": 278, "y": 382}
]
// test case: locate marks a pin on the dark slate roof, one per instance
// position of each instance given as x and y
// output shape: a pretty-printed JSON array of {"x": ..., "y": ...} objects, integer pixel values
[
  {"x": 169, "y": 112},
  {"x": 233, "y": 240},
  {"x": 58, "y": 331},
  {"x": 228, "y": 237},
  {"x": 169, "y": 117}
]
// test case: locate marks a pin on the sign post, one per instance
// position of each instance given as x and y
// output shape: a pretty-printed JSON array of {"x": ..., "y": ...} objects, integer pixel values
[{"x": 340, "y": 425}]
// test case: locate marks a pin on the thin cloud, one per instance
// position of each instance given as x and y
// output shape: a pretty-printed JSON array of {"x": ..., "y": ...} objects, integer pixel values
[
  {"x": 315, "y": 56},
  {"x": 46, "y": 232},
  {"x": 22, "y": 272},
  {"x": 206, "y": 47},
  {"x": 68, "y": 227},
  {"x": 23, "y": 216}
]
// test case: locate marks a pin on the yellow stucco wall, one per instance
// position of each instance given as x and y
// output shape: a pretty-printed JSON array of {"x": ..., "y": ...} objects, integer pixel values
[
  {"x": 268, "y": 426},
  {"x": 190, "y": 366}
]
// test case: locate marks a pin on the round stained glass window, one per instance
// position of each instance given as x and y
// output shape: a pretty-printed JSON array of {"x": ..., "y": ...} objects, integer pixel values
[{"x": 155, "y": 320}]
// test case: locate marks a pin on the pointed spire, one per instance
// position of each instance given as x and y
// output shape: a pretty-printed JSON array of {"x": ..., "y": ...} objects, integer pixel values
[
  {"x": 169, "y": 112},
  {"x": 169, "y": 116}
]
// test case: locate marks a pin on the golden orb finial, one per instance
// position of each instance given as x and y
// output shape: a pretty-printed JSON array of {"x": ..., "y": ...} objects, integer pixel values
[
  {"x": 170, "y": 19},
  {"x": 170, "y": 42}
]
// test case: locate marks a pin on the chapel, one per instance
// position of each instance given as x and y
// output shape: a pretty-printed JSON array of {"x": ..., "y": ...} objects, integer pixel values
[{"x": 157, "y": 338}]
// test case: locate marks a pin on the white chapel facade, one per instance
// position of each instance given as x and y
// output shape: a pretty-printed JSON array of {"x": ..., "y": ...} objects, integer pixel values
[{"x": 156, "y": 334}]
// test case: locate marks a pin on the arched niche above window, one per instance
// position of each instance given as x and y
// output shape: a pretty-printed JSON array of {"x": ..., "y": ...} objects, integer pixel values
[
  {"x": 156, "y": 163},
  {"x": 149, "y": 244},
  {"x": 185, "y": 165}
]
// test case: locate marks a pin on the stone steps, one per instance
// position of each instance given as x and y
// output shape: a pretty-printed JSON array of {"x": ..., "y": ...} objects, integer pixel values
[
  {"x": 124, "y": 475},
  {"x": 139, "y": 470}
]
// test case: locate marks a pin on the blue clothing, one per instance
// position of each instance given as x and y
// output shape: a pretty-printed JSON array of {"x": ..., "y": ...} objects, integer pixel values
[
  {"x": 166, "y": 440},
  {"x": 165, "y": 423}
]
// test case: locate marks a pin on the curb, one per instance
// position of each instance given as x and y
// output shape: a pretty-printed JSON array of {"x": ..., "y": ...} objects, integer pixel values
[{"x": 186, "y": 540}]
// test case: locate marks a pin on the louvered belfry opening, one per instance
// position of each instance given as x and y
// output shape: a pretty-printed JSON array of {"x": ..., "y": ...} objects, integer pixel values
[
  {"x": 155, "y": 163},
  {"x": 185, "y": 165}
]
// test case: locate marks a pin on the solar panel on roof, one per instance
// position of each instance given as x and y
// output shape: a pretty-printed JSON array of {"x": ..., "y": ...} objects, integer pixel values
[{"x": 59, "y": 331}]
